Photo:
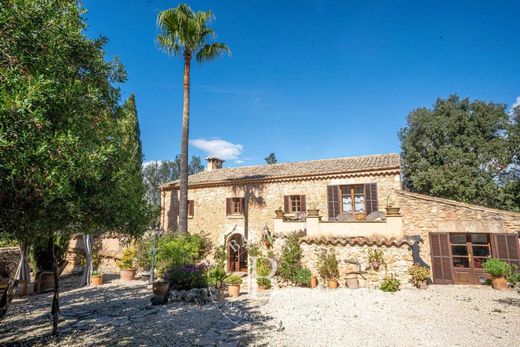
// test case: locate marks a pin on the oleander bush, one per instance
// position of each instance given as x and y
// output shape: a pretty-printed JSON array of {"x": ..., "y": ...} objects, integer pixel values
[
  {"x": 496, "y": 267},
  {"x": 187, "y": 276},
  {"x": 303, "y": 277},
  {"x": 290, "y": 260},
  {"x": 328, "y": 265}
]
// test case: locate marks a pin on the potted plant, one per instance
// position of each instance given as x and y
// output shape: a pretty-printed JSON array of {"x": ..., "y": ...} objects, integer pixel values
[
  {"x": 390, "y": 284},
  {"x": 375, "y": 258},
  {"x": 352, "y": 281},
  {"x": 126, "y": 264},
  {"x": 328, "y": 268},
  {"x": 96, "y": 279},
  {"x": 233, "y": 283},
  {"x": 498, "y": 270},
  {"x": 263, "y": 283},
  {"x": 303, "y": 277},
  {"x": 420, "y": 275},
  {"x": 279, "y": 213},
  {"x": 391, "y": 210}
]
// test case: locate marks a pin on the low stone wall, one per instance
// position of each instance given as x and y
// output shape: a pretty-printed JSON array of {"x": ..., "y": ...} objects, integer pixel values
[
  {"x": 9, "y": 260},
  {"x": 398, "y": 258}
]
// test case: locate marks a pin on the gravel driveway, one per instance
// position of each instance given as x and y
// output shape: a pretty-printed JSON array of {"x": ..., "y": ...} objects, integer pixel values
[{"x": 120, "y": 314}]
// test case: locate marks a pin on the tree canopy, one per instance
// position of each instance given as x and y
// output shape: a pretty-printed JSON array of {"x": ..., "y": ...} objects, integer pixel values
[
  {"x": 163, "y": 171},
  {"x": 463, "y": 150},
  {"x": 271, "y": 159}
]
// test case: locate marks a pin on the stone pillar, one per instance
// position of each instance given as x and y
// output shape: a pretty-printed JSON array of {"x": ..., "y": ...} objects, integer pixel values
[
  {"x": 394, "y": 226},
  {"x": 313, "y": 221}
]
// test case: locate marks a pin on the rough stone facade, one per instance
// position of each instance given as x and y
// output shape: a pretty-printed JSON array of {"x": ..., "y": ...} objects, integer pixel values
[
  {"x": 423, "y": 214},
  {"x": 9, "y": 260},
  {"x": 263, "y": 199},
  {"x": 398, "y": 260}
]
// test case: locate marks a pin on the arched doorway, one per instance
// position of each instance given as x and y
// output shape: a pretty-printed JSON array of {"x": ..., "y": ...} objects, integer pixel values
[{"x": 237, "y": 254}]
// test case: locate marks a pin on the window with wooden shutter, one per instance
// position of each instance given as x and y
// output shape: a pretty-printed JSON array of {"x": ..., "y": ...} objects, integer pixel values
[
  {"x": 191, "y": 208},
  {"x": 505, "y": 247},
  {"x": 333, "y": 202},
  {"x": 235, "y": 206},
  {"x": 441, "y": 258},
  {"x": 294, "y": 203},
  {"x": 371, "y": 198}
]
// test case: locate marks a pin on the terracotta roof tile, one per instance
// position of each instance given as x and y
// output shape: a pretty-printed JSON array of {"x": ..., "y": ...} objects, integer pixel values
[{"x": 296, "y": 169}]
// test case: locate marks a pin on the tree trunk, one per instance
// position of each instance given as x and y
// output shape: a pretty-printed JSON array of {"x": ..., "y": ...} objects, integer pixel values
[
  {"x": 56, "y": 297},
  {"x": 183, "y": 198}
]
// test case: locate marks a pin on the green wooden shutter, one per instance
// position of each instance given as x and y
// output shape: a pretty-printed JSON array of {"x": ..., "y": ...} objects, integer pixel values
[
  {"x": 333, "y": 202},
  {"x": 371, "y": 204}
]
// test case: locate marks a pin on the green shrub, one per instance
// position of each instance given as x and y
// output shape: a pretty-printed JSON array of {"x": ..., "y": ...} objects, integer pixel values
[
  {"x": 375, "y": 255},
  {"x": 419, "y": 273},
  {"x": 181, "y": 249},
  {"x": 328, "y": 266},
  {"x": 264, "y": 282},
  {"x": 216, "y": 276},
  {"x": 390, "y": 284},
  {"x": 303, "y": 277},
  {"x": 7, "y": 242},
  {"x": 290, "y": 260},
  {"x": 496, "y": 267},
  {"x": 514, "y": 275},
  {"x": 143, "y": 256},
  {"x": 127, "y": 259},
  {"x": 233, "y": 280},
  {"x": 187, "y": 276},
  {"x": 41, "y": 252}
]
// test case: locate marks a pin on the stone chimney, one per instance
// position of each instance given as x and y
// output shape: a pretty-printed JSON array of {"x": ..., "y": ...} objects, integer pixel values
[{"x": 214, "y": 163}]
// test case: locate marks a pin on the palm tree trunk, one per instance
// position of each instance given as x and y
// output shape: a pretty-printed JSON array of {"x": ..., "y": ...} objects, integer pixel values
[{"x": 183, "y": 198}]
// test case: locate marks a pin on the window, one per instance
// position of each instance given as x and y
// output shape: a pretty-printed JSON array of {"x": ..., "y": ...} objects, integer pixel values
[
  {"x": 191, "y": 208},
  {"x": 294, "y": 203},
  {"x": 353, "y": 199},
  {"x": 235, "y": 206}
]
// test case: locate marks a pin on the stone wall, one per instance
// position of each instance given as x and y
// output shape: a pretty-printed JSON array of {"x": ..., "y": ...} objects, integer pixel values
[
  {"x": 263, "y": 199},
  {"x": 9, "y": 260},
  {"x": 397, "y": 258},
  {"x": 423, "y": 214}
]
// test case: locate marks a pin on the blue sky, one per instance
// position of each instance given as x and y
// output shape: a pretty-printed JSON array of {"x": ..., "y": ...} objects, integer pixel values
[{"x": 310, "y": 79}]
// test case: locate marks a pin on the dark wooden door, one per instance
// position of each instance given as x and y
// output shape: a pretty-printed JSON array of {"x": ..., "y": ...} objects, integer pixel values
[
  {"x": 469, "y": 251},
  {"x": 237, "y": 254}
]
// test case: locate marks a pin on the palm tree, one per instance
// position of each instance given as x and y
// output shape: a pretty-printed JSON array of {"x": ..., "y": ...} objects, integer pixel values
[{"x": 186, "y": 33}]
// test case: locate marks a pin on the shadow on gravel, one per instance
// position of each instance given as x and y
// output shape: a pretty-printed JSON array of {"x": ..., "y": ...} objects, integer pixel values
[
  {"x": 510, "y": 301},
  {"x": 122, "y": 315}
]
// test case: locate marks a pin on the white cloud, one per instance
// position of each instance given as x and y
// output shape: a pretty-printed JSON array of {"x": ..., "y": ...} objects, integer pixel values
[
  {"x": 218, "y": 148},
  {"x": 516, "y": 103},
  {"x": 239, "y": 161}
]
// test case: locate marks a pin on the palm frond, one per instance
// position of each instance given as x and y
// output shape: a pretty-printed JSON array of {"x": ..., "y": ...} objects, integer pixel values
[{"x": 211, "y": 51}]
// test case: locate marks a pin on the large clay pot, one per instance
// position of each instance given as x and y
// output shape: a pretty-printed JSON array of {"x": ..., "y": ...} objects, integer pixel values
[
  {"x": 160, "y": 288},
  {"x": 392, "y": 211},
  {"x": 127, "y": 275},
  {"x": 96, "y": 280},
  {"x": 333, "y": 284},
  {"x": 314, "y": 282},
  {"x": 234, "y": 290},
  {"x": 422, "y": 284},
  {"x": 499, "y": 282},
  {"x": 352, "y": 281}
]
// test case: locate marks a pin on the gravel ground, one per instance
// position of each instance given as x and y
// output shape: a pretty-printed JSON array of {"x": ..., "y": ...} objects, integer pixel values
[
  {"x": 437, "y": 316},
  {"x": 120, "y": 314}
]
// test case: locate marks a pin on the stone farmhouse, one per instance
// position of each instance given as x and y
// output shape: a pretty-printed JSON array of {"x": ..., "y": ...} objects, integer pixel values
[{"x": 351, "y": 205}]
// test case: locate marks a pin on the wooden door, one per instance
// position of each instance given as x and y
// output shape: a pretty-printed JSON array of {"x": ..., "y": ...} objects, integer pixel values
[
  {"x": 237, "y": 254},
  {"x": 469, "y": 251}
]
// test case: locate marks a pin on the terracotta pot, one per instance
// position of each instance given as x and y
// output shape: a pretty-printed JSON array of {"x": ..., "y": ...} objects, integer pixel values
[
  {"x": 333, "y": 284},
  {"x": 127, "y": 275},
  {"x": 352, "y": 281},
  {"x": 375, "y": 265},
  {"x": 422, "y": 284},
  {"x": 392, "y": 211},
  {"x": 499, "y": 282},
  {"x": 267, "y": 244},
  {"x": 314, "y": 282},
  {"x": 262, "y": 288},
  {"x": 22, "y": 289},
  {"x": 279, "y": 213},
  {"x": 46, "y": 282},
  {"x": 160, "y": 288},
  {"x": 234, "y": 290},
  {"x": 96, "y": 280}
]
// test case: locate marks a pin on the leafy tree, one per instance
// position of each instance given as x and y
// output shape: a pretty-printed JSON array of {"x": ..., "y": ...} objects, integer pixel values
[
  {"x": 460, "y": 150},
  {"x": 160, "y": 172},
  {"x": 69, "y": 154},
  {"x": 271, "y": 159},
  {"x": 186, "y": 33}
]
